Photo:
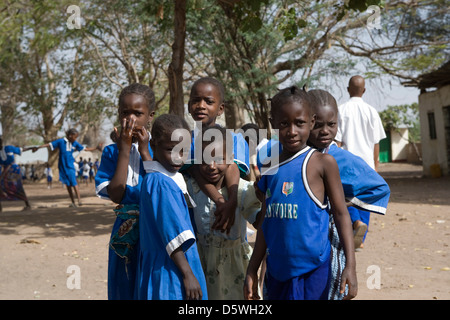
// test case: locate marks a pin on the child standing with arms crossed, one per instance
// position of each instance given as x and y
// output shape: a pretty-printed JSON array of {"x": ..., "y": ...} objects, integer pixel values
[
  {"x": 224, "y": 257},
  {"x": 369, "y": 194},
  {"x": 295, "y": 227},
  {"x": 67, "y": 174},
  {"x": 169, "y": 266},
  {"x": 119, "y": 179}
]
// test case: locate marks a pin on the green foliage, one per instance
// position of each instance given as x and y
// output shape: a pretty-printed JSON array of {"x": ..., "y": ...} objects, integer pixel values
[
  {"x": 406, "y": 115},
  {"x": 55, "y": 77}
]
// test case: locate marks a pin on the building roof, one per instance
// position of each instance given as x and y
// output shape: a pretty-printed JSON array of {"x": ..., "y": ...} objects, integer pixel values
[{"x": 434, "y": 79}]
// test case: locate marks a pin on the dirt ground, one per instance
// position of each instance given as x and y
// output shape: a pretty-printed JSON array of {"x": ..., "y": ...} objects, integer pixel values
[{"x": 406, "y": 253}]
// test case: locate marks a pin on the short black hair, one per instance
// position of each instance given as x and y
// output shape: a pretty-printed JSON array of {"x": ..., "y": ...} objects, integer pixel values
[
  {"x": 71, "y": 131},
  {"x": 142, "y": 90},
  {"x": 320, "y": 98},
  {"x": 293, "y": 94},
  {"x": 213, "y": 81},
  {"x": 166, "y": 124}
]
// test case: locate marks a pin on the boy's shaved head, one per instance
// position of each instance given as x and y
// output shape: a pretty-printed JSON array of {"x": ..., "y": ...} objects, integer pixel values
[{"x": 356, "y": 86}]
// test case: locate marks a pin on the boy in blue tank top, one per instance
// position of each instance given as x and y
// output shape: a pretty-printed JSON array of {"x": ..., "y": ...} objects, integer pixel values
[{"x": 295, "y": 228}]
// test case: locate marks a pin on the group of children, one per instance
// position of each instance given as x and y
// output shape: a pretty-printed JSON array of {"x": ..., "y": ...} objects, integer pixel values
[
  {"x": 181, "y": 226},
  {"x": 86, "y": 169}
]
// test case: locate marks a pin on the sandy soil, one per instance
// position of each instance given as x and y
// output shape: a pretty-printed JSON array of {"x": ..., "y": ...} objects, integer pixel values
[{"x": 406, "y": 251}]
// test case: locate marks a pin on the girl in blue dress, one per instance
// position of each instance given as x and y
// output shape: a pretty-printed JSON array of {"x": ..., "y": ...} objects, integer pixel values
[
  {"x": 11, "y": 187},
  {"x": 370, "y": 194},
  {"x": 119, "y": 179},
  {"x": 67, "y": 173},
  {"x": 169, "y": 265}
]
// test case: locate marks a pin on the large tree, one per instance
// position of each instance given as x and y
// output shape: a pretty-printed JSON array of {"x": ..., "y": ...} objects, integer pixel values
[
  {"x": 261, "y": 45},
  {"x": 52, "y": 77}
]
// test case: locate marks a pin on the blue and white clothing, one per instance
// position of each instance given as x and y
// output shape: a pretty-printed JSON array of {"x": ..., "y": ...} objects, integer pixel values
[
  {"x": 107, "y": 169},
  {"x": 296, "y": 222},
  {"x": 67, "y": 173},
  {"x": 165, "y": 226},
  {"x": 124, "y": 246},
  {"x": 268, "y": 154},
  {"x": 363, "y": 186},
  {"x": 7, "y": 154},
  {"x": 370, "y": 193}
]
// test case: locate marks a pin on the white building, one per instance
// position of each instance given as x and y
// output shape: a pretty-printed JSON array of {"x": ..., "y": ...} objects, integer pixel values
[{"x": 434, "y": 112}]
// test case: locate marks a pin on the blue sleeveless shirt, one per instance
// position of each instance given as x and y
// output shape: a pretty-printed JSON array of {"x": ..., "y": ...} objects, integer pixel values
[{"x": 295, "y": 226}]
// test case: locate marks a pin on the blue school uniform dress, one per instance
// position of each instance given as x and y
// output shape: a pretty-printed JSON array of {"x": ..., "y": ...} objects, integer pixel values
[
  {"x": 7, "y": 154},
  {"x": 295, "y": 229},
  {"x": 7, "y": 158},
  {"x": 165, "y": 226},
  {"x": 124, "y": 241},
  {"x": 366, "y": 190},
  {"x": 240, "y": 151},
  {"x": 11, "y": 183},
  {"x": 67, "y": 173}
]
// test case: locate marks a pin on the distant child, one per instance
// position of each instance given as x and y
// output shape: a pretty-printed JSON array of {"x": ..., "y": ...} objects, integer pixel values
[
  {"x": 295, "y": 227},
  {"x": 91, "y": 170},
  {"x": 370, "y": 193},
  {"x": 67, "y": 174},
  {"x": 119, "y": 179},
  {"x": 206, "y": 103},
  {"x": 86, "y": 168},
  {"x": 169, "y": 266},
  {"x": 224, "y": 257},
  {"x": 49, "y": 174},
  {"x": 80, "y": 169}
]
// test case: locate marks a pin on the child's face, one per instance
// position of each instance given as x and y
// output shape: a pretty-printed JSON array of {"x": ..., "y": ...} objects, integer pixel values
[
  {"x": 135, "y": 109},
  {"x": 171, "y": 150},
  {"x": 294, "y": 122},
  {"x": 205, "y": 104},
  {"x": 72, "y": 137},
  {"x": 325, "y": 128},
  {"x": 215, "y": 164}
]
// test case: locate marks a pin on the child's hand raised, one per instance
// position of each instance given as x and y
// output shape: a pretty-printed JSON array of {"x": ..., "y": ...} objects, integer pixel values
[
  {"x": 142, "y": 137},
  {"x": 124, "y": 139}
]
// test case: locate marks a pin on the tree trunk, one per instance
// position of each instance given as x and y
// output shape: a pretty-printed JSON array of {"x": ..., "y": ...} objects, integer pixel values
[
  {"x": 175, "y": 71},
  {"x": 234, "y": 116}
]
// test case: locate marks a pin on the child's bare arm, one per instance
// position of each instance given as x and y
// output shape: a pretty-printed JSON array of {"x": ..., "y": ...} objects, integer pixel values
[
  {"x": 251, "y": 279},
  {"x": 39, "y": 147},
  {"x": 142, "y": 136},
  {"x": 225, "y": 212},
  {"x": 98, "y": 147},
  {"x": 191, "y": 284},
  {"x": 335, "y": 192},
  {"x": 117, "y": 186}
]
